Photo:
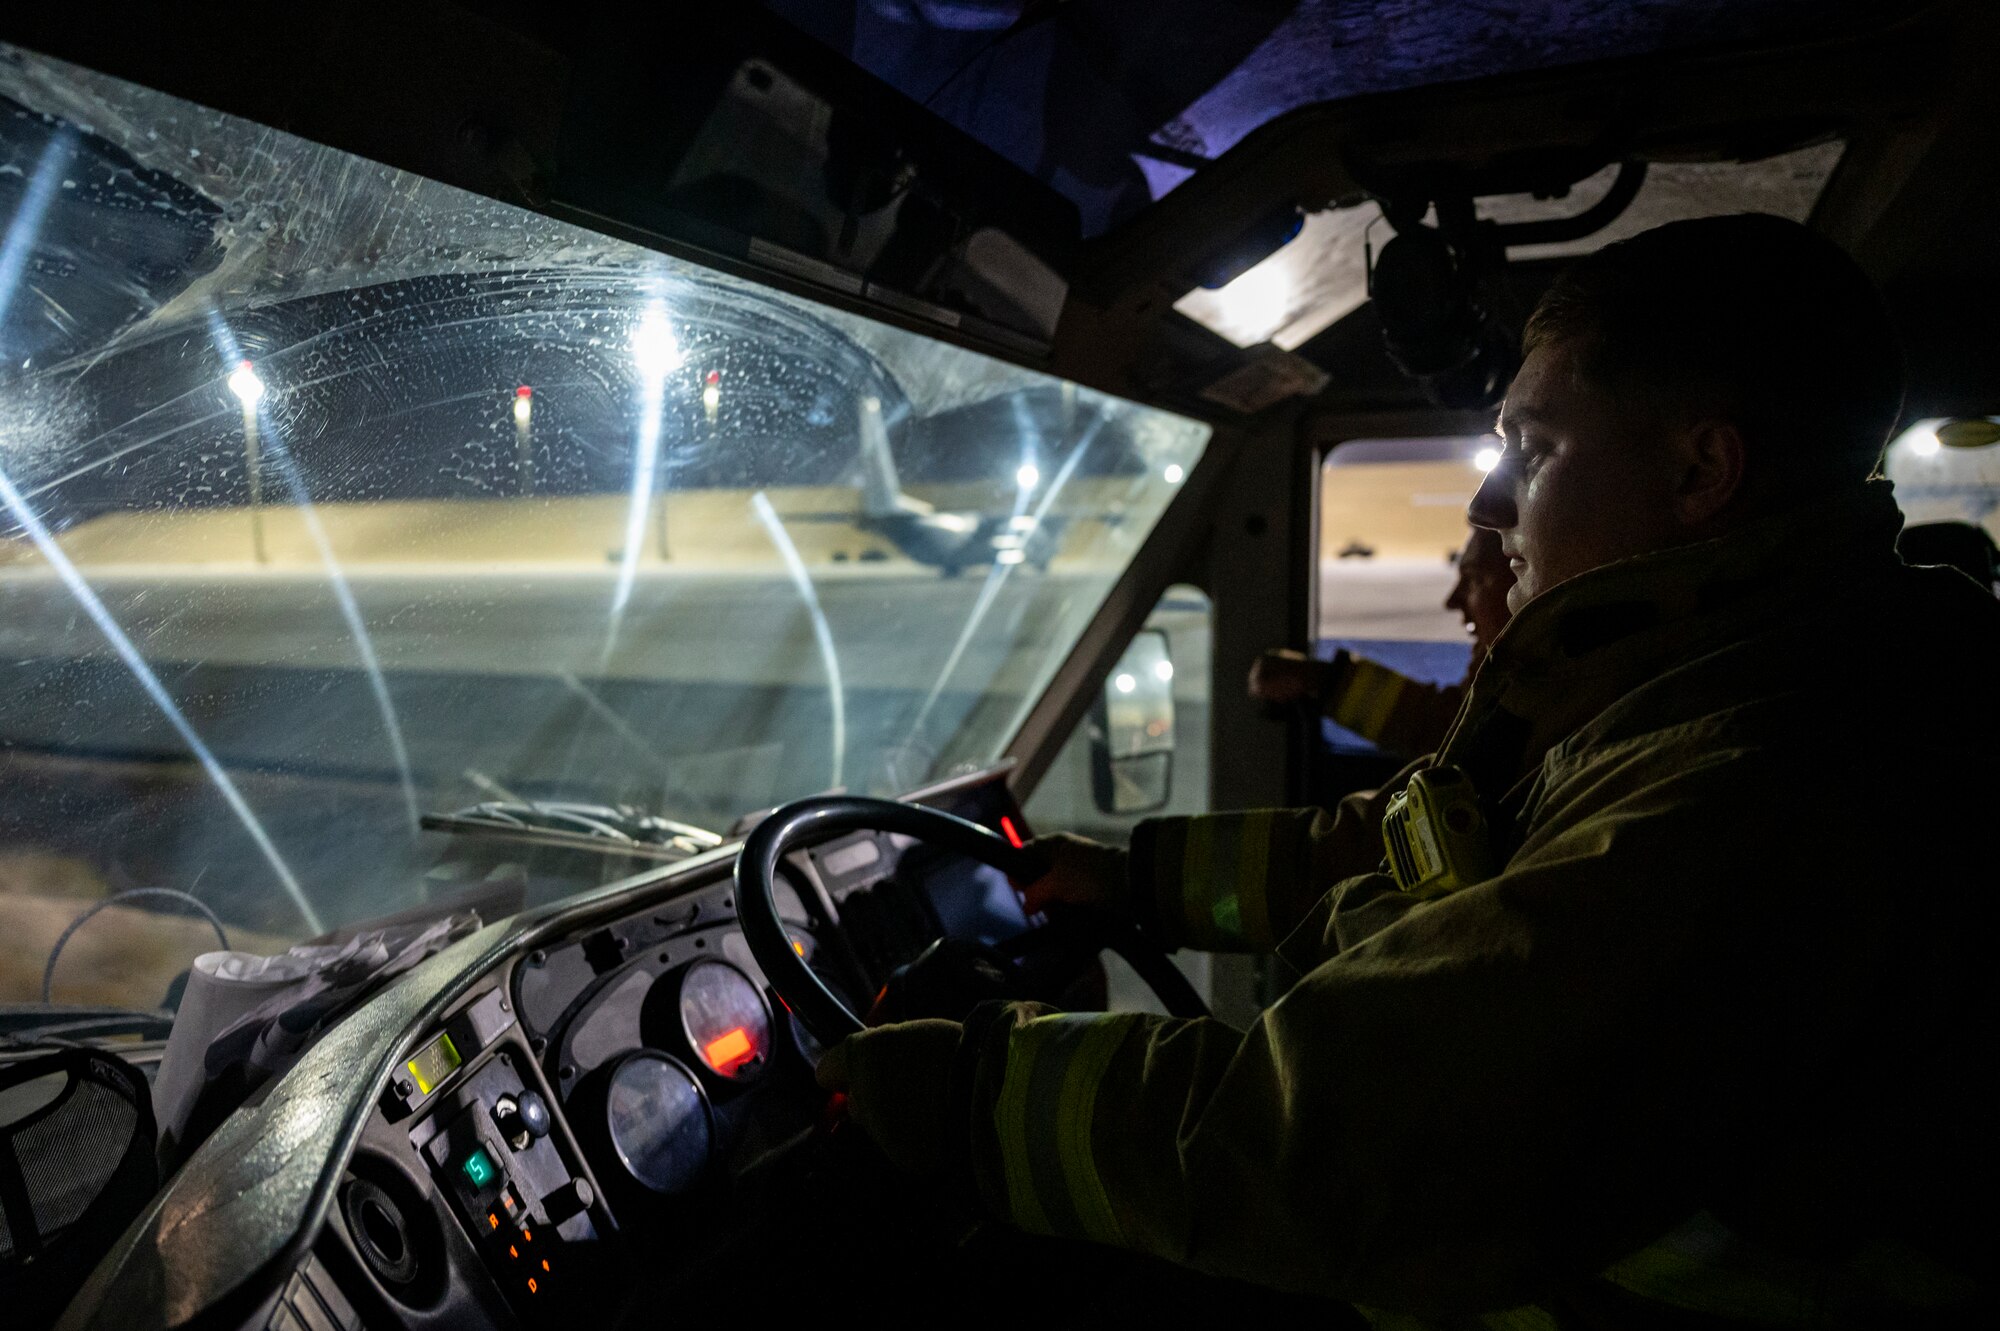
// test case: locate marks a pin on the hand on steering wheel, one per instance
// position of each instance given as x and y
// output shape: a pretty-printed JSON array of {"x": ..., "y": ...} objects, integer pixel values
[
  {"x": 819, "y": 1009},
  {"x": 1076, "y": 872}
]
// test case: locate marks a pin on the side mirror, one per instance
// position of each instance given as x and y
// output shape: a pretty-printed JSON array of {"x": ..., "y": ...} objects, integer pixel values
[{"x": 1132, "y": 730}]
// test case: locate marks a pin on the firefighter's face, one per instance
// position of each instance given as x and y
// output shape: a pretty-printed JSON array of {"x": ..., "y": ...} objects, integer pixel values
[
  {"x": 1580, "y": 482},
  {"x": 1480, "y": 593}
]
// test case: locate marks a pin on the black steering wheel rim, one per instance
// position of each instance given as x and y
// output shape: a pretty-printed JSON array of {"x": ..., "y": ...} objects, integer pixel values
[{"x": 817, "y": 1007}]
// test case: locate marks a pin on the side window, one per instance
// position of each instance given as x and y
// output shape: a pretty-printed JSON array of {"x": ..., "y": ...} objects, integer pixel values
[
  {"x": 1132, "y": 758},
  {"x": 1392, "y": 527}
]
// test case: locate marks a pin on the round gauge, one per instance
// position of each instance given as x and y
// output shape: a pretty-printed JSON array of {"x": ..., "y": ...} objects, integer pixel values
[
  {"x": 725, "y": 1019},
  {"x": 657, "y": 1118}
]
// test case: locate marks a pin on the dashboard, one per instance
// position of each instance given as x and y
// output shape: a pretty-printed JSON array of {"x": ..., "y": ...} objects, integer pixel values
[{"x": 591, "y": 1094}]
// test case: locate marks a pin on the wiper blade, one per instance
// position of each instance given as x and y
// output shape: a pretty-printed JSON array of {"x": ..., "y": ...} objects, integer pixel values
[{"x": 595, "y": 827}]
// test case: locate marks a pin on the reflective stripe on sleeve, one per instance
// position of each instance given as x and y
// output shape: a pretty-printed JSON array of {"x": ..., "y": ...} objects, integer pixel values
[
  {"x": 1043, "y": 1118},
  {"x": 1369, "y": 698},
  {"x": 1225, "y": 880}
]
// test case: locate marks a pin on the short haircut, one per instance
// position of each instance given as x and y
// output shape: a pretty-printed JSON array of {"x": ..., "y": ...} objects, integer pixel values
[{"x": 1750, "y": 318}]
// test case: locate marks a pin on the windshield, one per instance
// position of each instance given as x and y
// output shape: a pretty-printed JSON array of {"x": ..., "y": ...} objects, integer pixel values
[{"x": 333, "y": 499}]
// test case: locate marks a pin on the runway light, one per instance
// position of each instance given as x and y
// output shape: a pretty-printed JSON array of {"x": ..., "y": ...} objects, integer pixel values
[
  {"x": 524, "y": 405},
  {"x": 1174, "y": 473},
  {"x": 1924, "y": 443},
  {"x": 243, "y": 382},
  {"x": 655, "y": 350},
  {"x": 1164, "y": 670},
  {"x": 1125, "y": 683},
  {"x": 1029, "y": 476},
  {"x": 1486, "y": 459},
  {"x": 1010, "y": 556}
]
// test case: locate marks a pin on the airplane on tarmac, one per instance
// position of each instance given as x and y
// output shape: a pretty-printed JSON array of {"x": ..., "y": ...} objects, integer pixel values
[{"x": 944, "y": 540}]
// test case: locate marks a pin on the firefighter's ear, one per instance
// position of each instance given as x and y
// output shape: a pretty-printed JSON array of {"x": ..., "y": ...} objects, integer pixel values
[{"x": 1710, "y": 457}]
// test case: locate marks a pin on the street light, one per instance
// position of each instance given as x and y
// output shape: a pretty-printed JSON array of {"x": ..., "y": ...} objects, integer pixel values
[
  {"x": 249, "y": 390},
  {"x": 656, "y": 353},
  {"x": 655, "y": 350}
]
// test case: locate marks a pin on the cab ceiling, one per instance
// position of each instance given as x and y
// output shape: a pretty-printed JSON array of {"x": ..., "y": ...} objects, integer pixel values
[{"x": 473, "y": 95}]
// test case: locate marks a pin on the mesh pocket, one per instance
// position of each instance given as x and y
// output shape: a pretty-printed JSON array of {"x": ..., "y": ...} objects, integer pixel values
[
  {"x": 76, "y": 1164},
  {"x": 67, "y": 1157}
]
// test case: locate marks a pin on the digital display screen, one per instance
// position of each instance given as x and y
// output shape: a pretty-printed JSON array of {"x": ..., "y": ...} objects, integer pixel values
[
  {"x": 727, "y": 1024},
  {"x": 479, "y": 1168},
  {"x": 438, "y": 1060}
]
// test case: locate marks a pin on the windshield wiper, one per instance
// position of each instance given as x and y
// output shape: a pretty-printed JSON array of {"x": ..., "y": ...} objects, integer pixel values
[{"x": 606, "y": 829}]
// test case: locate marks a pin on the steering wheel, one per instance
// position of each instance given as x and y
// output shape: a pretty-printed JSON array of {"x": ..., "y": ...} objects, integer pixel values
[{"x": 819, "y": 1009}]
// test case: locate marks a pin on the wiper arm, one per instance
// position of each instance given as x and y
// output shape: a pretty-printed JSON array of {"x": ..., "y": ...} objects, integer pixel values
[{"x": 604, "y": 830}]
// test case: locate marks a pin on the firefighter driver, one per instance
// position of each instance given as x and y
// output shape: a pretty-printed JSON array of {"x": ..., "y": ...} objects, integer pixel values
[{"x": 1702, "y": 1045}]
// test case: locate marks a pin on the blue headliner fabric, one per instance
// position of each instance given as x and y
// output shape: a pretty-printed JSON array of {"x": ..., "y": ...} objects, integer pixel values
[{"x": 1077, "y": 96}]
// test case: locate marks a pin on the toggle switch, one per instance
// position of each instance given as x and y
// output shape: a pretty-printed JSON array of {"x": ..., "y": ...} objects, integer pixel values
[{"x": 572, "y": 1198}]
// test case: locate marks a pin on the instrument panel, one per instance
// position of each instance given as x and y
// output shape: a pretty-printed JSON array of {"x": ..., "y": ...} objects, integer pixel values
[{"x": 606, "y": 1089}]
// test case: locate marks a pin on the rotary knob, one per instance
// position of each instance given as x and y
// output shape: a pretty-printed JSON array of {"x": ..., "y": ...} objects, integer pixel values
[{"x": 522, "y": 1119}]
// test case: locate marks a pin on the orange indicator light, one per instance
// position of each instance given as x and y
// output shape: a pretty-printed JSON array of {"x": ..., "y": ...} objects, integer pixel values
[
  {"x": 493, "y": 1219},
  {"x": 513, "y": 1251},
  {"x": 798, "y": 947},
  {"x": 532, "y": 1286},
  {"x": 527, "y": 1237},
  {"x": 545, "y": 1263},
  {"x": 728, "y": 1049}
]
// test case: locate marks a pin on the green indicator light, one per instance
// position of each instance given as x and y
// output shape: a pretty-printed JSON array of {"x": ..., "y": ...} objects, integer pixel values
[{"x": 479, "y": 1167}]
